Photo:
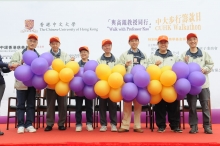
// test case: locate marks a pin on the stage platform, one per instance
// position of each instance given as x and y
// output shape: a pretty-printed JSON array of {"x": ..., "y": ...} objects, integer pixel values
[{"x": 95, "y": 138}]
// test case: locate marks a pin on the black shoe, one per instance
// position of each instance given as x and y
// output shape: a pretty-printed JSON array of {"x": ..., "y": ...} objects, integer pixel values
[
  {"x": 62, "y": 128},
  {"x": 48, "y": 128},
  {"x": 161, "y": 130},
  {"x": 177, "y": 130},
  {"x": 1, "y": 133},
  {"x": 208, "y": 130},
  {"x": 194, "y": 129}
]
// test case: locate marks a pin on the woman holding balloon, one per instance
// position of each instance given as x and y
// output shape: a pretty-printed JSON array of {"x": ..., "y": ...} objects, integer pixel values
[
  {"x": 164, "y": 57},
  {"x": 192, "y": 56}
]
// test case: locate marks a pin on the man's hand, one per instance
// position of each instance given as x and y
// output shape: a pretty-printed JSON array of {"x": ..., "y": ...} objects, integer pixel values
[
  {"x": 128, "y": 63},
  {"x": 203, "y": 70},
  {"x": 13, "y": 66},
  {"x": 186, "y": 58},
  {"x": 158, "y": 62},
  {"x": 72, "y": 59}
]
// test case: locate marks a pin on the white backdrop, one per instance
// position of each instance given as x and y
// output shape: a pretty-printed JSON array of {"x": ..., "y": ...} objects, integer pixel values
[{"x": 79, "y": 23}]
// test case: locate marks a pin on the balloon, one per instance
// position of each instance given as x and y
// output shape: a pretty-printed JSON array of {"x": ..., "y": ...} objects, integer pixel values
[
  {"x": 51, "y": 86},
  {"x": 120, "y": 69},
  {"x": 102, "y": 88},
  {"x": 66, "y": 74},
  {"x": 155, "y": 99},
  {"x": 125, "y": 100},
  {"x": 74, "y": 66},
  {"x": 51, "y": 77},
  {"x": 39, "y": 66},
  {"x": 90, "y": 65},
  {"x": 168, "y": 94},
  {"x": 181, "y": 69},
  {"x": 89, "y": 77},
  {"x": 103, "y": 71},
  {"x": 48, "y": 56},
  {"x": 80, "y": 93},
  {"x": 141, "y": 79},
  {"x": 80, "y": 72},
  {"x": 164, "y": 68},
  {"x": 193, "y": 67},
  {"x": 89, "y": 92},
  {"x": 23, "y": 73},
  {"x": 168, "y": 78},
  {"x": 76, "y": 84},
  {"x": 154, "y": 87},
  {"x": 29, "y": 56},
  {"x": 115, "y": 95},
  {"x": 196, "y": 78},
  {"x": 58, "y": 64},
  {"x": 143, "y": 97},
  {"x": 115, "y": 80},
  {"x": 28, "y": 83},
  {"x": 195, "y": 90},
  {"x": 128, "y": 78},
  {"x": 62, "y": 88},
  {"x": 38, "y": 82},
  {"x": 182, "y": 86},
  {"x": 129, "y": 91},
  {"x": 137, "y": 68},
  {"x": 180, "y": 97},
  {"x": 154, "y": 72},
  {"x": 104, "y": 97}
]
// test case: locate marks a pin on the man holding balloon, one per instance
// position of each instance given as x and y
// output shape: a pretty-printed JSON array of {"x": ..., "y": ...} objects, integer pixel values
[
  {"x": 194, "y": 54},
  {"x": 25, "y": 95},
  {"x": 163, "y": 58},
  {"x": 129, "y": 59}
]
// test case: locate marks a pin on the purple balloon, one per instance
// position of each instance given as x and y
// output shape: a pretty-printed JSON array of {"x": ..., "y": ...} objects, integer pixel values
[
  {"x": 38, "y": 82},
  {"x": 89, "y": 77},
  {"x": 143, "y": 97},
  {"x": 127, "y": 100},
  {"x": 194, "y": 67},
  {"x": 89, "y": 92},
  {"x": 48, "y": 56},
  {"x": 180, "y": 97},
  {"x": 195, "y": 90},
  {"x": 76, "y": 84},
  {"x": 80, "y": 93},
  {"x": 182, "y": 86},
  {"x": 80, "y": 72},
  {"x": 23, "y": 73},
  {"x": 196, "y": 78},
  {"x": 141, "y": 78},
  {"x": 28, "y": 83},
  {"x": 129, "y": 91},
  {"x": 181, "y": 69},
  {"x": 29, "y": 56},
  {"x": 39, "y": 66},
  {"x": 128, "y": 78},
  {"x": 137, "y": 68},
  {"x": 90, "y": 65}
]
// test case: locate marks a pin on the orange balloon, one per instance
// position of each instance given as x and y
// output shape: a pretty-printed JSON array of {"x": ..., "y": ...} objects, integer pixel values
[
  {"x": 155, "y": 99},
  {"x": 62, "y": 89},
  {"x": 58, "y": 64},
  {"x": 154, "y": 87},
  {"x": 168, "y": 94},
  {"x": 74, "y": 66},
  {"x": 165, "y": 68},
  {"x": 120, "y": 69},
  {"x": 103, "y": 71},
  {"x": 168, "y": 78},
  {"x": 115, "y": 80},
  {"x": 102, "y": 88},
  {"x": 66, "y": 74},
  {"x": 115, "y": 95},
  {"x": 51, "y": 77},
  {"x": 104, "y": 97},
  {"x": 154, "y": 72},
  {"x": 52, "y": 86}
]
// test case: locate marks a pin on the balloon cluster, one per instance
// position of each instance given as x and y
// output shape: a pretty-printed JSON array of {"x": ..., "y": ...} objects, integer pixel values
[
  {"x": 111, "y": 81},
  {"x": 135, "y": 85},
  {"x": 189, "y": 79},
  {"x": 31, "y": 73}
]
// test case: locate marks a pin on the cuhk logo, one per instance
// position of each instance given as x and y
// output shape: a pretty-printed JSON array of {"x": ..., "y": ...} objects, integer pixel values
[{"x": 29, "y": 26}]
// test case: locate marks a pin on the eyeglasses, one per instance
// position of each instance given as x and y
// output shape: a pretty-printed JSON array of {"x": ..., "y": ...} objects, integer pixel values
[{"x": 33, "y": 41}]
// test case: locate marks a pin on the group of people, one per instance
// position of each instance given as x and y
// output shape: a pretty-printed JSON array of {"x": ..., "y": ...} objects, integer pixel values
[{"x": 133, "y": 56}]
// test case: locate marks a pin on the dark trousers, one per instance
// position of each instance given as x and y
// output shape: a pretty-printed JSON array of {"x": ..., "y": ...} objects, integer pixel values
[
  {"x": 89, "y": 110},
  {"x": 204, "y": 97},
  {"x": 26, "y": 97},
  {"x": 62, "y": 108},
  {"x": 2, "y": 90},
  {"x": 173, "y": 110},
  {"x": 112, "y": 106}
]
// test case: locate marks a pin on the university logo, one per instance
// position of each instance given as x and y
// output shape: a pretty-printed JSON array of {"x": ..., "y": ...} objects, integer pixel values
[{"x": 29, "y": 26}]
